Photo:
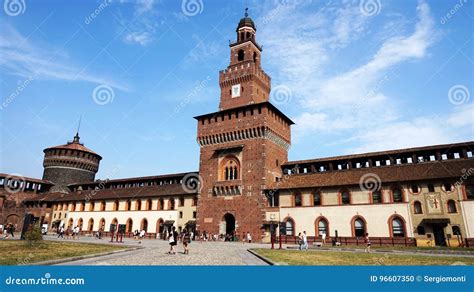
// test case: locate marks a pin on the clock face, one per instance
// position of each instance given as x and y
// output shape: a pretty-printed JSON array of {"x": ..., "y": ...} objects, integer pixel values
[{"x": 236, "y": 90}]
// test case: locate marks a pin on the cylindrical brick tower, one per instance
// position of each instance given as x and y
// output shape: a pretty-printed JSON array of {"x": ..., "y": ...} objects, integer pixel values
[{"x": 70, "y": 163}]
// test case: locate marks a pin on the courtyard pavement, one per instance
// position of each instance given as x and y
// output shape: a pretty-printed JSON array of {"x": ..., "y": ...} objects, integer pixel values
[{"x": 155, "y": 252}]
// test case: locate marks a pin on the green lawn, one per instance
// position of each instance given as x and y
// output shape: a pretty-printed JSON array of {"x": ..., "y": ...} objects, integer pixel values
[
  {"x": 334, "y": 258},
  {"x": 15, "y": 252}
]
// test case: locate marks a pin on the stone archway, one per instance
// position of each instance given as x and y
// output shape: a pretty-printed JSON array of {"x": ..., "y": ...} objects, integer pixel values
[{"x": 228, "y": 224}]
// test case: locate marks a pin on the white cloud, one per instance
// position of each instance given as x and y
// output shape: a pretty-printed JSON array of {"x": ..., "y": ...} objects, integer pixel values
[
  {"x": 19, "y": 56},
  {"x": 141, "y": 38}
]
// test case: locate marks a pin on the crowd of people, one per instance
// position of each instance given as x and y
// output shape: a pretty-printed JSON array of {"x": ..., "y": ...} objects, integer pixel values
[{"x": 68, "y": 233}]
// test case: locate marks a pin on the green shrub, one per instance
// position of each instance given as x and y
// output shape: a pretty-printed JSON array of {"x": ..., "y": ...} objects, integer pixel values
[{"x": 34, "y": 235}]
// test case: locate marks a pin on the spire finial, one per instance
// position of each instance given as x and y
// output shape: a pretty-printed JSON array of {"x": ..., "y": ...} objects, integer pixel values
[
  {"x": 246, "y": 11},
  {"x": 76, "y": 138}
]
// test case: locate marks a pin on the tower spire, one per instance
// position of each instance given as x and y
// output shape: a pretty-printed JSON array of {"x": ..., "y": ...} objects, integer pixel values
[
  {"x": 76, "y": 138},
  {"x": 246, "y": 12}
]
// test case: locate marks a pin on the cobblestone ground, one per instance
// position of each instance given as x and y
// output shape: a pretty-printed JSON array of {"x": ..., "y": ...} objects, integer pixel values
[{"x": 155, "y": 252}]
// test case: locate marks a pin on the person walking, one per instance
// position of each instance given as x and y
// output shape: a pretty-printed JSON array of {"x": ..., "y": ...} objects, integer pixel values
[
  {"x": 12, "y": 229},
  {"x": 367, "y": 243},
  {"x": 249, "y": 237},
  {"x": 173, "y": 240},
  {"x": 61, "y": 232},
  {"x": 305, "y": 241},
  {"x": 186, "y": 241},
  {"x": 300, "y": 241},
  {"x": 323, "y": 236}
]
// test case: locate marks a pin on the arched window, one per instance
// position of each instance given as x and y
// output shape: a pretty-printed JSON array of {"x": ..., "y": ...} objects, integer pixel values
[
  {"x": 129, "y": 225},
  {"x": 290, "y": 226},
  {"x": 398, "y": 227},
  {"x": 397, "y": 195},
  {"x": 254, "y": 56},
  {"x": 377, "y": 197},
  {"x": 102, "y": 224},
  {"x": 80, "y": 222},
  {"x": 181, "y": 201},
  {"x": 81, "y": 207},
  {"x": 144, "y": 225},
  {"x": 240, "y": 55},
  {"x": 138, "y": 205},
  {"x": 358, "y": 227},
  {"x": 73, "y": 209},
  {"x": 70, "y": 223},
  {"x": 417, "y": 209},
  {"x": 195, "y": 201},
  {"x": 345, "y": 197},
  {"x": 116, "y": 205},
  {"x": 322, "y": 226},
  {"x": 317, "y": 199},
  {"x": 470, "y": 192},
  {"x": 161, "y": 204},
  {"x": 90, "y": 226},
  {"x": 452, "y": 206},
  {"x": 171, "y": 204},
  {"x": 102, "y": 206},
  {"x": 128, "y": 205},
  {"x": 298, "y": 200},
  {"x": 148, "y": 204},
  {"x": 91, "y": 206},
  {"x": 230, "y": 168}
]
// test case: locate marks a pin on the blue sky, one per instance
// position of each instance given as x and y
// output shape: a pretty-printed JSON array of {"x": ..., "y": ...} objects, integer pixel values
[{"x": 355, "y": 76}]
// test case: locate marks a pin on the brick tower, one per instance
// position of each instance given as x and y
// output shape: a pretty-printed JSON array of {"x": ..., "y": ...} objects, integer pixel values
[
  {"x": 70, "y": 163},
  {"x": 242, "y": 144}
]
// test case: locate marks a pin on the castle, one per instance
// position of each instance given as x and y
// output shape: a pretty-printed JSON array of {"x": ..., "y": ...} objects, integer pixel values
[{"x": 245, "y": 183}]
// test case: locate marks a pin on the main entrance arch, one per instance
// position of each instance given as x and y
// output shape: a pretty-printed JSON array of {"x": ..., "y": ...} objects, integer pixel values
[{"x": 228, "y": 224}]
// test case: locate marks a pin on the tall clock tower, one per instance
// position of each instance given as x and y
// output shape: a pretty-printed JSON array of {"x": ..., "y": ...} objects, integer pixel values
[{"x": 242, "y": 145}]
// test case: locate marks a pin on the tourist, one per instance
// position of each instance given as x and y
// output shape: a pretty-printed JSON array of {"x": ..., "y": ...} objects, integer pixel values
[
  {"x": 186, "y": 241},
  {"x": 173, "y": 240},
  {"x": 305, "y": 241},
  {"x": 12, "y": 229},
  {"x": 249, "y": 237},
  {"x": 367, "y": 243},
  {"x": 75, "y": 233},
  {"x": 61, "y": 232},
  {"x": 300, "y": 241},
  {"x": 323, "y": 236},
  {"x": 142, "y": 234}
]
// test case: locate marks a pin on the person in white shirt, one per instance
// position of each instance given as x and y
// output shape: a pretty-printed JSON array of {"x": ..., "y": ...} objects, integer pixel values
[
  {"x": 305, "y": 241},
  {"x": 323, "y": 236},
  {"x": 249, "y": 237}
]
